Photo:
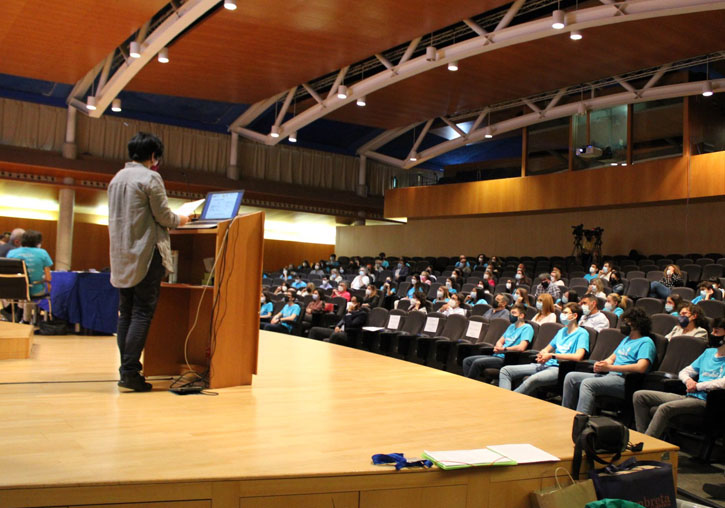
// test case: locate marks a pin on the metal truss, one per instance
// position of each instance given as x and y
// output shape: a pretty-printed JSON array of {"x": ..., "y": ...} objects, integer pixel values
[
  {"x": 480, "y": 41},
  {"x": 106, "y": 80},
  {"x": 544, "y": 107}
]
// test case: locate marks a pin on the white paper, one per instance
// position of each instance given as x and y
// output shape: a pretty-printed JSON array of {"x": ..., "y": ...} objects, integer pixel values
[
  {"x": 524, "y": 453},
  {"x": 482, "y": 456},
  {"x": 474, "y": 329},
  {"x": 393, "y": 322},
  {"x": 189, "y": 208},
  {"x": 431, "y": 324},
  {"x": 371, "y": 328}
]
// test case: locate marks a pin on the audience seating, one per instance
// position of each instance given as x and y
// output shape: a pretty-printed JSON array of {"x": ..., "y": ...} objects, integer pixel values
[
  {"x": 650, "y": 305},
  {"x": 407, "y": 344},
  {"x": 713, "y": 308}
]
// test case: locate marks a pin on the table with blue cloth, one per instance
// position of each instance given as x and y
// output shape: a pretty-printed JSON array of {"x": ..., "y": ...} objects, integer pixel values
[{"x": 86, "y": 298}]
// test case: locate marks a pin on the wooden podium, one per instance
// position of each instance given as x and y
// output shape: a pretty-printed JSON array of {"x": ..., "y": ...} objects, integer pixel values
[{"x": 225, "y": 335}]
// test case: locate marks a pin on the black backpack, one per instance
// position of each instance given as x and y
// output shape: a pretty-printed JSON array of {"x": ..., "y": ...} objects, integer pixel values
[{"x": 598, "y": 435}]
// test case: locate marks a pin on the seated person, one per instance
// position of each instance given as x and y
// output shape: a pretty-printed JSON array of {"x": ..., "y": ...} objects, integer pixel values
[
  {"x": 457, "y": 278},
  {"x": 521, "y": 296},
  {"x": 335, "y": 276},
  {"x": 672, "y": 278},
  {"x": 615, "y": 281},
  {"x": 442, "y": 295},
  {"x": 717, "y": 288},
  {"x": 282, "y": 288},
  {"x": 373, "y": 298},
  {"x": 430, "y": 273},
  {"x": 593, "y": 273},
  {"x": 265, "y": 309},
  {"x": 354, "y": 319},
  {"x": 387, "y": 288},
  {"x": 545, "y": 286},
  {"x": 556, "y": 277},
  {"x": 418, "y": 302},
  {"x": 307, "y": 290},
  {"x": 706, "y": 373},
  {"x": 283, "y": 320},
  {"x": 325, "y": 284},
  {"x": 570, "y": 296},
  {"x": 500, "y": 309},
  {"x": 489, "y": 281},
  {"x": 636, "y": 353},
  {"x": 591, "y": 317},
  {"x": 707, "y": 292},
  {"x": 361, "y": 280},
  {"x": 316, "y": 306},
  {"x": 304, "y": 267},
  {"x": 481, "y": 264},
  {"x": 691, "y": 321},
  {"x": 616, "y": 304},
  {"x": 341, "y": 291},
  {"x": 476, "y": 296},
  {"x": 37, "y": 263},
  {"x": 450, "y": 286},
  {"x": 516, "y": 338},
  {"x": 569, "y": 343},
  {"x": 383, "y": 260},
  {"x": 673, "y": 304},
  {"x": 606, "y": 271},
  {"x": 463, "y": 265},
  {"x": 521, "y": 278},
  {"x": 596, "y": 287},
  {"x": 317, "y": 270},
  {"x": 425, "y": 278},
  {"x": 545, "y": 307},
  {"x": 401, "y": 271},
  {"x": 333, "y": 262},
  {"x": 453, "y": 306}
]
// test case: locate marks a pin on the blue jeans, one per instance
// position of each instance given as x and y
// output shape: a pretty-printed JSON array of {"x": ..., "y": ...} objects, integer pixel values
[
  {"x": 659, "y": 290},
  {"x": 136, "y": 307},
  {"x": 277, "y": 327},
  {"x": 539, "y": 376},
  {"x": 474, "y": 365},
  {"x": 586, "y": 386}
]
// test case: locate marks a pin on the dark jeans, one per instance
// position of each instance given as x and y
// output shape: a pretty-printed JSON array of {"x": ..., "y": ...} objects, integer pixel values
[
  {"x": 136, "y": 309},
  {"x": 659, "y": 290},
  {"x": 278, "y": 327}
]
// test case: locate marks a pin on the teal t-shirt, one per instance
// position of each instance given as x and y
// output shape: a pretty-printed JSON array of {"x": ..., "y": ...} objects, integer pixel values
[
  {"x": 709, "y": 368},
  {"x": 287, "y": 311},
  {"x": 514, "y": 336},
  {"x": 618, "y": 311},
  {"x": 266, "y": 308},
  {"x": 36, "y": 260},
  {"x": 630, "y": 351},
  {"x": 565, "y": 343}
]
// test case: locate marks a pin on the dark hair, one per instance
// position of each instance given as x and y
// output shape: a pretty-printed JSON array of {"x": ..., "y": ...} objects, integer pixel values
[
  {"x": 701, "y": 320},
  {"x": 31, "y": 238},
  {"x": 574, "y": 308},
  {"x": 638, "y": 320},
  {"x": 143, "y": 146},
  {"x": 573, "y": 296},
  {"x": 718, "y": 323},
  {"x": 519, "y": 307}
]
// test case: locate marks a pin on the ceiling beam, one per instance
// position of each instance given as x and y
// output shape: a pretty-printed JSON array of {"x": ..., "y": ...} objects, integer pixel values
[{"x": 601, "y": 15}]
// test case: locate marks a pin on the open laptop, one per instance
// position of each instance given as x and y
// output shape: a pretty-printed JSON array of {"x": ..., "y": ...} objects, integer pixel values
[{"x": 218, "y": 206}]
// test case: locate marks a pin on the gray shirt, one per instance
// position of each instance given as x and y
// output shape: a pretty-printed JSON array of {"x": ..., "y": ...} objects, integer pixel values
[
  {"x": 138, "y": 220},
  {"x": 5, "y": 248},
  {"x": 598, "y": 321}
]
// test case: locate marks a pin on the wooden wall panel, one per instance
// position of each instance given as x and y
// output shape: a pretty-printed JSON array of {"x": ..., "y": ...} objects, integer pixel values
[
  {"x": 694, "y": 227},
  {"x": 278, "y": 253},
  {"x": 648, "y": 182}
]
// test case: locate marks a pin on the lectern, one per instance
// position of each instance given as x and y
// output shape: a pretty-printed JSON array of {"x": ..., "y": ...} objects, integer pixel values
[{"x": 214, "y": 328}]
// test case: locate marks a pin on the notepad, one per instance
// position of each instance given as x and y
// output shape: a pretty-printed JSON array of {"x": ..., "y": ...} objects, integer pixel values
[
  {"x": 393, "y": 322},
  {"x": 524, "y": 453},
  {"x": 457, "y": 459}
]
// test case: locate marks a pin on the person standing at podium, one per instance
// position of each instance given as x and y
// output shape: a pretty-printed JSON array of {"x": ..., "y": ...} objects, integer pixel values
[{"x": 140, "y": 249}]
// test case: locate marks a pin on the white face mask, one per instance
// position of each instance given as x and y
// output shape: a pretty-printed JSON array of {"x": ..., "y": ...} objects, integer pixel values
[
  {"x": 439, "y": 294},
  {"x": 605, "y": 269},
  {"x": 349, "y": 306},
  {"x": 453, "y": 304},
  {"x": 508, "y": 285},
  {"x": 608, "y": 306},
  {"x": 315, "y": 296},
  {"x": 368, "y": 292},
  {"x": 553, "y": 276},
  {"x": 670, "y": 272},
  {"x": 264, "y": 299},
  {"x": 448, "y": 285},
  {"x": 340, "y": 289}
]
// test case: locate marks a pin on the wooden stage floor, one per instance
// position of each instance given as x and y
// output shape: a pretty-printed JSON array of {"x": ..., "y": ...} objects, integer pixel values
[{"x": 301, "y": 435}]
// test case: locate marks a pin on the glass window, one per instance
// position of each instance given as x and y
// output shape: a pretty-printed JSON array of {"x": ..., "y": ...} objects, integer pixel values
[
  {"x": 600, "y": 138},
  {"x": 707, "y": 123},
  {"x": 548, "y": 147},
  {"x": 656, "y": 129},
  {"x": 495, "y": 158}
]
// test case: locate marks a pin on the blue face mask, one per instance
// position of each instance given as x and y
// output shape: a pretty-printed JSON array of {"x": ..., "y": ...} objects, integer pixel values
[
  {"x": 564, "y": 299},
  {"x": 608, "y": 307},
  {"x": 539, "y": 305},
  {"x": 516, "y": 297},
  {"x": 564, "y": 320},
  {"x": 586, "y": 310},
  {"x": 605, "y": 269},
  {"x": 669, "y": 307},
  {"x": 519, "y": 276},
  {"x": 703, "y": 293}
]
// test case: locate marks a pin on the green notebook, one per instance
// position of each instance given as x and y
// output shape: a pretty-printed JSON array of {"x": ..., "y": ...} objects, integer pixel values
[{"x": 457, "y": 459}]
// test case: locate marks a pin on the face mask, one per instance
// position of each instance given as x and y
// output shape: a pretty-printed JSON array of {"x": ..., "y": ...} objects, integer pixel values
[
  {"x": 608, "y": 307},
  {"x": 361, "y": 272},
  {"x": 564, "y": 300},
  {"x": 264, "y": 299},
  {"x": 592, "y": 289},
  {"x": 564, "y": 320},
  {"x": 539, "y": 305},
  {"x": 669, "y": 307},
  {"x": 387, "y": 281},
  {"x": 500, "y": 304},
  {"x": 683, "y": 321},
  {"x": 516, "y": 297},
  {"x": 518, "y": 276},
  {"x": 315, "y": 296},
  {"x": 324, "y": 281},
  {"x": 454, "y": 276},
  {"x": 423, "y": 277},
  {"x": 317, "y": 267},
  {"x": 625, "y": 329},
  {"x": 340, "y": 289},
  {"x": 586, "y": 310},
  {"x": 716, "y": 340},
  {"x": 544, "y": 284},
  {"x": 605, "y": 269},
  {"x": 513, "y": 318},
  {"x": 553, "y": 276},
  {"x": 592, "y": 270},
  {"x": 453, "y": 304},
  {"x": 400, "y": 265},
  {"x": 413, "y": 282},
  {"x": 368, "y": 292},
  {"x": 480, "y": 285},
  {"x": 508, "y": 285},
  {"x": 703, "y": 293},
  {"x": 439, "y": 294},
  {"x": 485, "y": 276},
  {"x": 349, "y": 306},
  {"x": 669, "y": 273},
  {"x": 448, "y": 285}
]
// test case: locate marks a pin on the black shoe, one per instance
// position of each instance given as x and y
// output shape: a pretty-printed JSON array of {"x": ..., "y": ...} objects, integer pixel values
[
  {"x": 6, "y": 314},
  {"x": 137, "y": 383},
  {"x": 717, "y": 491}
]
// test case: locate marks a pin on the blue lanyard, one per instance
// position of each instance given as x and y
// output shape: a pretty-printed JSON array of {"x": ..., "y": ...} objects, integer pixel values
[{"x": 399, "y": 460}]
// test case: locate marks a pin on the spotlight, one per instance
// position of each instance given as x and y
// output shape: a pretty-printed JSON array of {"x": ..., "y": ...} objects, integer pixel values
[
  {"x": 91, "y": 103},
  {"x": 292, "y": 137},
  {"x": 559, "y": 20},
  {"x": 342, "y": 92},
  {"x": 581, "y": 109},
  {"x": 453, "y": 66},
  {"x": 274, "y": 132},
  {"x": 230, "y": 5},
  {"x": 613, "y": 164},
  {"x": 489, "y": 133},
  {"x": 623, "y": 164},
  {"x": 163, "y": 56},
  {"x": 413, "y": 157},
  {"x": 575, "y": 35},
  {"x": 116, "y": 105},
  {"x": 134, "y": 50},
  {"x": 707, "y": 89},
  {"x": 431, "y": 53},
  {"x": 362, "y": 101}
]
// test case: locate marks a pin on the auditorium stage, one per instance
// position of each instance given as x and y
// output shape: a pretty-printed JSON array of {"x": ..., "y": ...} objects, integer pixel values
[{"x": 301, "y": 435}]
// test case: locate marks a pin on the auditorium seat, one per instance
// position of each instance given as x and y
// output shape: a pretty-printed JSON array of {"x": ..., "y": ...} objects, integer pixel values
[
  {"x": 654, "y": 275},
  {"x": 637, "y": 274},
  {"x": 684, "y": 261},
  {"x": 612, "y": 317},
  {"x": 712, "y": 308},
  {"x": 704, "y": 261},
  {"x": 684, "y": 292},
  {"x": 434, "y": 351},
  {"x": 693, "y": 272},
  {"x": 638, "y": 288},
  {"x": 371, "y": 339},
  {"x": 607, "y": 341},
  {"x": 650, "y": 305},
  {"x": 663, "y": 323},
  {"x": 377, "y": 317},
  {"x": 400, "y": 342},
  {"x": 711, "y": 270},
  {"x": 480, "y": 309},
  {"x": 468, "y": 345}
]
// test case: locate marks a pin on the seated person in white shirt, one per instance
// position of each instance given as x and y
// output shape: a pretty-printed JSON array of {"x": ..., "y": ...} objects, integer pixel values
[
  {"x": 591, "y": 317},
  {"x": 691, "y": 321},
  {"x": 453, "y": 306},
  {"x": 545, "y": 307},
  {"x": 361, "y": 281},
  {"x": 705, "y": 374}
]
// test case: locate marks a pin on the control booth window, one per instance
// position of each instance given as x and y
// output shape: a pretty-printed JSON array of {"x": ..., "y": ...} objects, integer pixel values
[
  {"x": 600, "y": 138},
  {"x": 657, "y": 129}
]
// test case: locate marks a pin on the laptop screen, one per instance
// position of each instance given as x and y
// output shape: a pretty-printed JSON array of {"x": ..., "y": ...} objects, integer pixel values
[{"x": 222, "y": 205}]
